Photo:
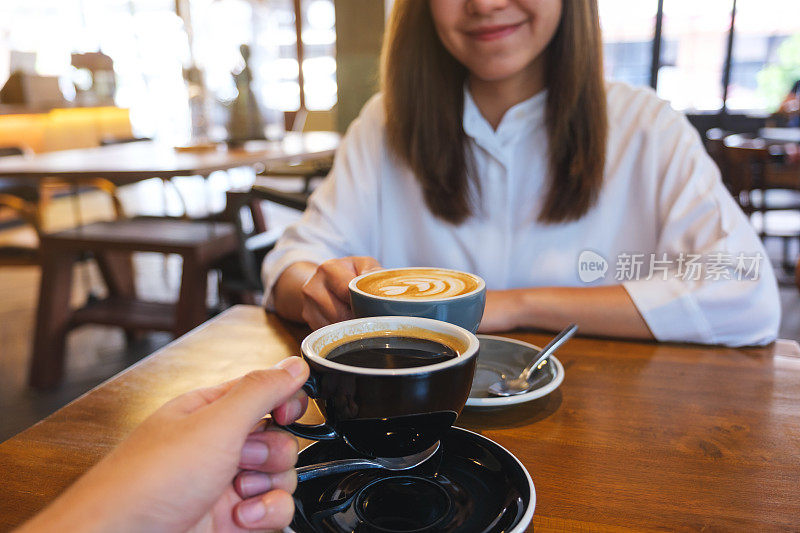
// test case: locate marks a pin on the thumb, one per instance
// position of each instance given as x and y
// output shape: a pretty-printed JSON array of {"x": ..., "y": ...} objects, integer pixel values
[{"x": 255, "y": 394}]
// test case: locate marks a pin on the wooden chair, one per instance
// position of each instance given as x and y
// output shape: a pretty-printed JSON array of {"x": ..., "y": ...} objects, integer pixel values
[
  {"x": 240, "y": 279},
  {"x": 167, "y": 183},
  {"x": 240, "y": 273},
  {"x": 297, "y": 200},
  {"x": 111, "y": 244},
  {"x": 21, "y": 197},
  {"x": 20, "y": 255},
  {"x": 200, "y": 244},
  {"x": 715, "y": 146},
  {"x": 762, "y": 183}
]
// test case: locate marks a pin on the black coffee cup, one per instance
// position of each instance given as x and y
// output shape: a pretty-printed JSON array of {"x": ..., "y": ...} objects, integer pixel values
[{"x": 387, "y": 412}]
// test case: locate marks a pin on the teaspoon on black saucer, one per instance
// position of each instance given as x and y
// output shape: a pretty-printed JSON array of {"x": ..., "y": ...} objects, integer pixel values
[
  {"x": 471, "y": 485},
  {"x": 342, "y": 466}
]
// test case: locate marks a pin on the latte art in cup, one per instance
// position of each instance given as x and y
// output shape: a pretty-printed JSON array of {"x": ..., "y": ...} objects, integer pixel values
[
  {"x": 428, "y": 292},
  {"x": 418, "y": 283}
]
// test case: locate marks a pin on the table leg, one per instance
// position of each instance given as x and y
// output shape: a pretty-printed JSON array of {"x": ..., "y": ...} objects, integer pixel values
[
  {"x": 191, "y": 309},
  {"x": 116, "y": 268},
  {"x": 259, "y": 220},
  {"x": 52, "y": 318}
]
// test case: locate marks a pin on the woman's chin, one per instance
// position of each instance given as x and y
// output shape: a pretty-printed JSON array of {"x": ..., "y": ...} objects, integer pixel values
[{"x": 494, "y": 74}]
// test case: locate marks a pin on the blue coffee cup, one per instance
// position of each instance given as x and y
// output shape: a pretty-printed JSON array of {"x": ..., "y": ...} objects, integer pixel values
[{"x": 406, "y": 296}]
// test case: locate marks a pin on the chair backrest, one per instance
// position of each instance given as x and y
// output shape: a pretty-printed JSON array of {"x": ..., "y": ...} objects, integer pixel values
[
  {"x": 27, "y": 211},
  {"x": 715, "y": 146},
  {"x": 249, "y": 266},
  {"x": 20, "y": 195},
  {"x": 294, "y": 200},
  {"x": 746, "y": 159},
  {"x": 22, "y": 188}
]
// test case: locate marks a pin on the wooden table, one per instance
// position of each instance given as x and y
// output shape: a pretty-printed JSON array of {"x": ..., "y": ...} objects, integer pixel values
[
  {"x": 132, "y": 162},
  {"x": 638, "y": 437}
]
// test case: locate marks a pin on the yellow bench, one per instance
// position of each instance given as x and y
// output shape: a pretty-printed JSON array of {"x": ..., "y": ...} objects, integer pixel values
[{"x": 64, "y": 129}]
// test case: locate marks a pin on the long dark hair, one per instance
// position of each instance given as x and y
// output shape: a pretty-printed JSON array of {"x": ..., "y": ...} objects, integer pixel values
[{"x": 422, "y": 87}]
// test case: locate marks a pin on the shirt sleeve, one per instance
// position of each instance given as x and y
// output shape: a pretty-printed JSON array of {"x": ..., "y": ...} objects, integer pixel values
[
  {"x": 722, "y": 289},
  {"x": 342, "y": 212}
]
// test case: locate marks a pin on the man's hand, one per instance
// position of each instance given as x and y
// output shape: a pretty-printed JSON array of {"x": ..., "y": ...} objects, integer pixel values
[{"x": 203, "y": 462}]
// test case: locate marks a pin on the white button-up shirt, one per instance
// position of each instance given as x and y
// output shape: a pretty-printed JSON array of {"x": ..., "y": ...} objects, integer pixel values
[{"x": 664, "y": 225}]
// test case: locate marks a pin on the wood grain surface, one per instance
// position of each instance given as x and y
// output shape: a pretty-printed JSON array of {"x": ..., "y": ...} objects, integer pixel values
[{"x": 640, "y": 436}]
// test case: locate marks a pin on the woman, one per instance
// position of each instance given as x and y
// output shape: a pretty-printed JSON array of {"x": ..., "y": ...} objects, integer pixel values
[{"x": 497, "y": 148}]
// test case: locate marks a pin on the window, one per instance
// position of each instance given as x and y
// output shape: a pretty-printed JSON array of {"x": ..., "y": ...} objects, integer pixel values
[
  {"x": 628, "y": 39},
  {"x": 766, "y": 54},
  {"x": 221, "y": 26},
  {"x": 319, "y": 47},
  {"x": 693, "y": 49},
  {"x": 694, "y": 63},
  {"x": 151, "y": 46},
  {"x": 145, "y": 39}
]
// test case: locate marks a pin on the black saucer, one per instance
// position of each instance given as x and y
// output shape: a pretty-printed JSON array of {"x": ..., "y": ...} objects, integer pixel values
[{"x": 471, "y": 485}]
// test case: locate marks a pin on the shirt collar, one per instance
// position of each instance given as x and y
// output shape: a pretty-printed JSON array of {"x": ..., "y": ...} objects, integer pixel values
[{"x": 520, "y": 117}]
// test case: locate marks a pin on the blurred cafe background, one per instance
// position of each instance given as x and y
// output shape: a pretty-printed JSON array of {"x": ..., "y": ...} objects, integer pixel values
[{"x": 189, "y": 133}]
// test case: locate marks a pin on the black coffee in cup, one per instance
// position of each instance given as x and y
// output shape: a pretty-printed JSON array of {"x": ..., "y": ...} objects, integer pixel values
[
  {"x": 389, "y": 386},
  {"x": 391, "y": 352}
]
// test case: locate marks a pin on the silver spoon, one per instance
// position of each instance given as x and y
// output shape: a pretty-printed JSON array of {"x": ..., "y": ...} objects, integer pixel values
[
  {"x": 522, "y": 383},
  {"x": 342, "y": 466}
]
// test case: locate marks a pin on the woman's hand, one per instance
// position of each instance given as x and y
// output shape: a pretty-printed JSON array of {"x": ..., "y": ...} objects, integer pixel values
[
  {"x": 196, "y": 464},
  {"x": 501, "y": 311},
  {"x": 326, "y": 298},
  {"x": 606, "y": 310}
]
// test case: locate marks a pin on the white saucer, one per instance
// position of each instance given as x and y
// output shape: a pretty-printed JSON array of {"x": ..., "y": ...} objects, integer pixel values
[{"x": 501, "y": 355}]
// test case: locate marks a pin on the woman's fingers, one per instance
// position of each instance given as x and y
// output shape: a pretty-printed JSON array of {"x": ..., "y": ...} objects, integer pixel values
[
  {"x": 273, "y": 510},
  {"x": 365, "y": 264},
  {"x": 336, "y": 274},
  {"x": 270, "y": 451},
  {"x": 326, "y": 295},
  {"x": 250, "y": 483},
  {"x": 313, "y": 316},
  {"x": 317, "y": 297}
]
